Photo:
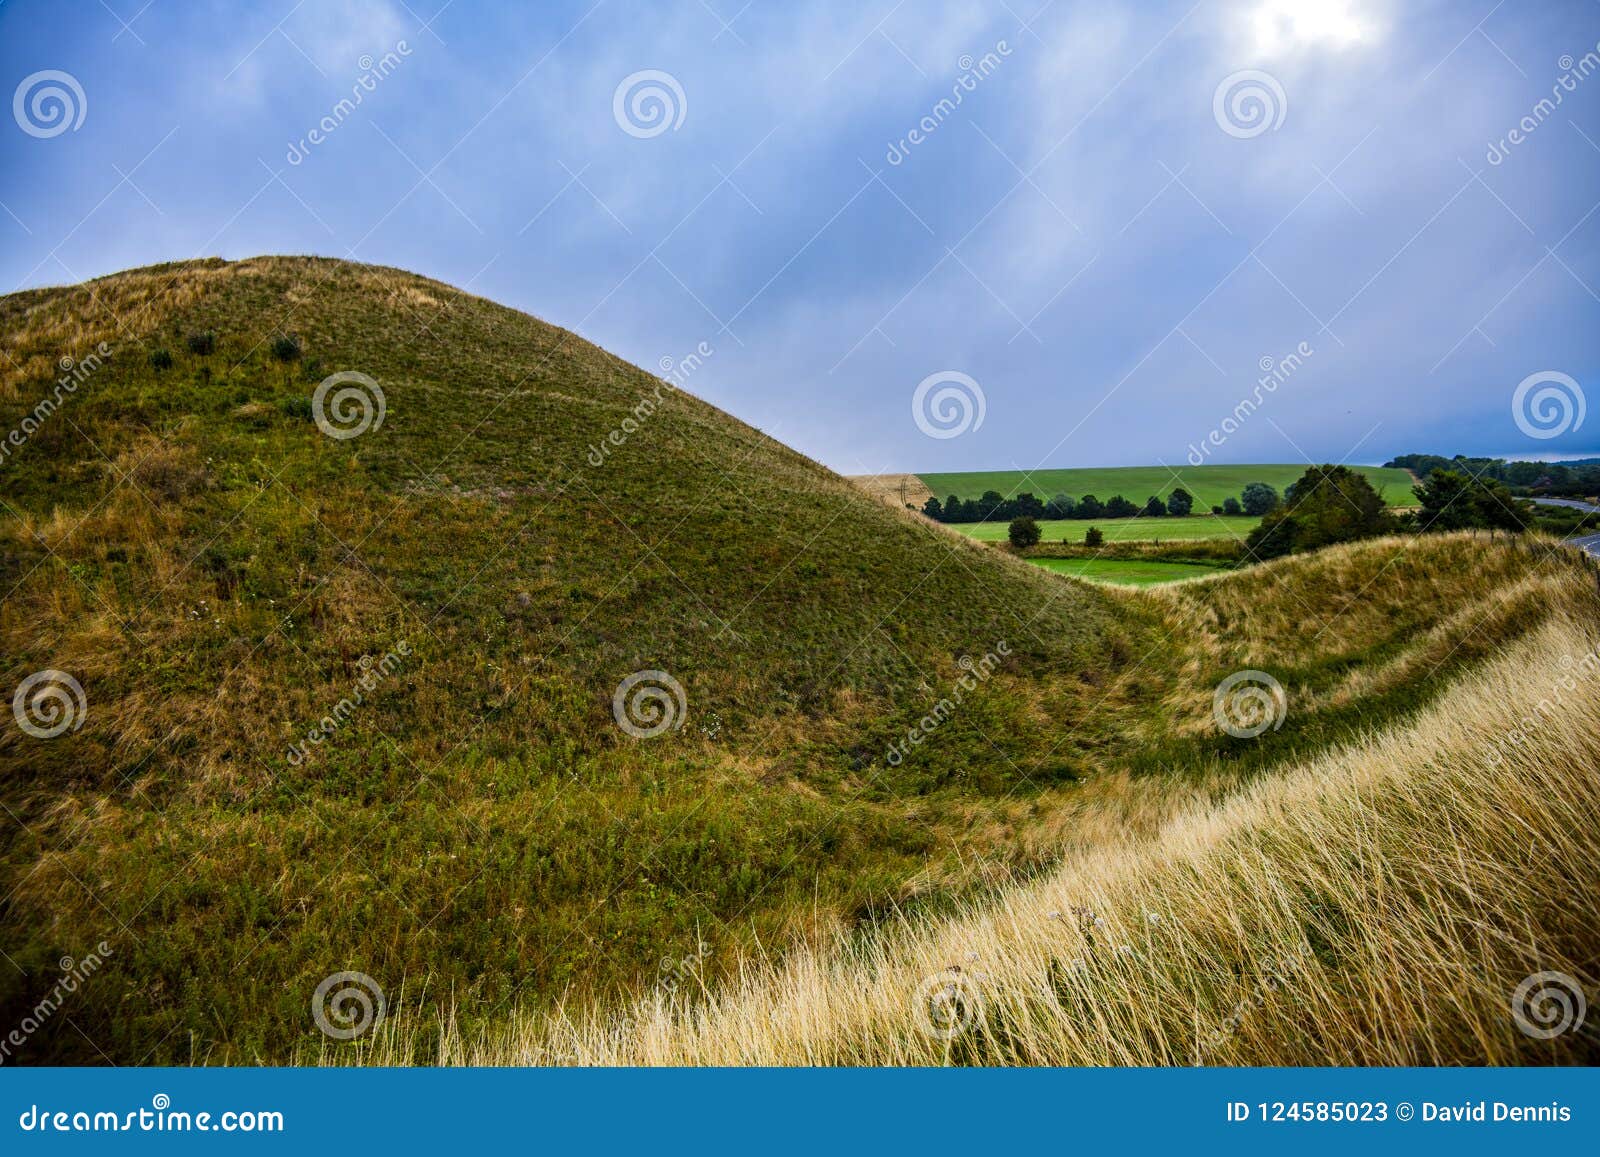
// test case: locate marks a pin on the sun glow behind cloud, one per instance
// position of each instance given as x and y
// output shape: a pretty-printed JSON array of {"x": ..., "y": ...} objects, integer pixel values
[{"x": 1285, "y": 26}]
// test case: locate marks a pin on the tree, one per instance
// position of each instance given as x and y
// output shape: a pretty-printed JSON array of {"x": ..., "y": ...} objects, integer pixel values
[
  {"x": 1155, "y": 508},
  {"x": 1023, "y": 532},
  {"x": 1095, "y": 537},
  {"x": 1258, "y": 499},
  {"x": 1089, "y": 507},
  {"x": 1180, "y": 502},
  {"x": 1216, "y": 510},
  {"x": 1231, "y": 506},
  {"x": 1119, "y": 507},
  {"x": 1455, "y": 501},
  {"x": 1027, "y": 506},
  {"x": 1060, "y": 506},
  {"x": 955, "y": 510},
  {"x": 1331, "y": 504},
  {"x": 933, "y": 510}
]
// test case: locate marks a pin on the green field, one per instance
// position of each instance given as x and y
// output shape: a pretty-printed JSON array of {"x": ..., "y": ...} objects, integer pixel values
[
  {"x": 1209, "y": 484},
  {"x": 1124, "y": 572},
  {"x": 1190, "y": 529}
]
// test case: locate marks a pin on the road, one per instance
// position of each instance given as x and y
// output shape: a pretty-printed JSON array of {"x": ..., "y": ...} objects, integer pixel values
[{"x": 1589, "y": 542}]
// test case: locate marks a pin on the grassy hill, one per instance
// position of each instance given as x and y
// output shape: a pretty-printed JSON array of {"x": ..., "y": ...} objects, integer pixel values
[
  {"x": 1209, "y": 484},
  {"x": 350, "y": 703}
]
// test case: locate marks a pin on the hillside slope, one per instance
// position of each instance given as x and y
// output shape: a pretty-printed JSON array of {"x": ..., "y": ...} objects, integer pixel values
[{"x": 351, "y": 703}]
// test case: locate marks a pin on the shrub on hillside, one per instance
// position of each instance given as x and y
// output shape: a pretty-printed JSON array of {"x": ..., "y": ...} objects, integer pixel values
[
  {"x": 1231, "y": 506},
  {"x": 1095, "y": 537},
  {"x": 1023, "y": 532},
  {"x": 1331, "y": 504},
  {"x": 1455, "y": 501},
  {"x": 286, "y": 348},
  {"x": 202, "y": 343},
  {"x": 1258, "y": 499},
  {"x": 160, "y": 359}
]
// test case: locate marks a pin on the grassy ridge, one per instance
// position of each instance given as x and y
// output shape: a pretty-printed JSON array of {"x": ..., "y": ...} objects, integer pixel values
[
  {"x": 1352, "y": 911},
  {"x": 1209, "y": 484}
]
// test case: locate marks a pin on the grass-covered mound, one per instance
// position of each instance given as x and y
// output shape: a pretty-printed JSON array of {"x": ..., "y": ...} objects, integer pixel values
[{"x": 449, "y": 601}]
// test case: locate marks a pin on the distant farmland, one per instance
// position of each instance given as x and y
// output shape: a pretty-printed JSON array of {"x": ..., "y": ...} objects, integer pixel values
[
  {"x": 1209, "y": 484},
  {"x": 1196, "y": 526}
]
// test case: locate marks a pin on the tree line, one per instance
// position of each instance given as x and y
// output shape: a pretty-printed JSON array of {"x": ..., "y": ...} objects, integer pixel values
[
  {"x": 1256, "y": 499},
  {"x": 1576, "y": 478},
  {"x": 1332, "y": 504}
]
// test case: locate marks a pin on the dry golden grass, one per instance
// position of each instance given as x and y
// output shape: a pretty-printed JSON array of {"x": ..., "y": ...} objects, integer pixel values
[
  {"x": 1376, "y": 905},
  {"x": 895, "y": 489}
]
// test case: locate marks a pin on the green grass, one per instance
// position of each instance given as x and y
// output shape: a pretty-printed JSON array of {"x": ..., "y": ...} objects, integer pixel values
[
  {"x": 217, "y": 572},
  {"x": 1124, "y": 572},
  {"x": 1190, "y": 529},
  {"x": 1209, "y": 484}
]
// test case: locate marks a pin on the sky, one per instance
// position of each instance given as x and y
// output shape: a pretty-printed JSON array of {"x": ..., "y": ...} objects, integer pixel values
[{"x": 913, "y": 236}]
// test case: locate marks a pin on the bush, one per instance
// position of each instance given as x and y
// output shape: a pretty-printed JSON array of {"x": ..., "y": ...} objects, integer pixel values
[
  {"x": 160, "y": 360},
  {"x": 1119, "y": 507},
  {"x": 1180, "y": 502},
  {"x": 1231, "y": 506},
  {"x": 285, "y": 348},
  {"x": 1331, "y": 504},
  {"x": 1095, "y": 537},
  {"x": 1155, "y": 508},
  {"x": 1061, "y": 506},
  {"x": 1258, "y": 498},
  {"x": 1023, "y": 532},
  {"x": 202, "y": 343},
  {"x": 1455, "y": 501}
]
